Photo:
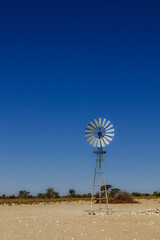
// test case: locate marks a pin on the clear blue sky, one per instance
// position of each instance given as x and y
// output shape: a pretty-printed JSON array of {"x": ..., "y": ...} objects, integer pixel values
[{"x": 63, "y": 63}]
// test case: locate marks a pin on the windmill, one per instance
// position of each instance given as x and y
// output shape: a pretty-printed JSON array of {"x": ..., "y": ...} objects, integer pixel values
[{"x": 99, "y": 133}]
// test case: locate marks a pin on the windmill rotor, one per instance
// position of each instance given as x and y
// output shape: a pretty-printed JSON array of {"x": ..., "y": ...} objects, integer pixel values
[{"x": 99, "y": 132}]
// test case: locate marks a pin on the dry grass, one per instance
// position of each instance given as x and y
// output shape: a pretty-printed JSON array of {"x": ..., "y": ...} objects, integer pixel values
[
  {"x": 122, "y": 197},
  {"x": 32, "y": 201}
]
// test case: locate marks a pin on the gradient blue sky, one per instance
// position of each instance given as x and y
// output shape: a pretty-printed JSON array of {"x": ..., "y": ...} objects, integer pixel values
[{"x": 63, "y": 63}]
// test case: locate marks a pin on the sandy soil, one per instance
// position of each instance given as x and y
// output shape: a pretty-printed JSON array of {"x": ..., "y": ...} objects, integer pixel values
[{"x": 69, "y": 221}]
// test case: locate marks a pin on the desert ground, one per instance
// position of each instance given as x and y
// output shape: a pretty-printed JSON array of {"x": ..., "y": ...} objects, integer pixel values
[{"x": 69, "y": 221}]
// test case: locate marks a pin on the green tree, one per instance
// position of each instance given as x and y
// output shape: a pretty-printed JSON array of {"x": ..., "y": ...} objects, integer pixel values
[
  {"x": 136, "y": 194},
  {"x": 49, "y": 192},
  {"x": 41, "y": 195},
  {"x": 157, "y": 194},
  {"x": 88, "y": 195},
  {"x": 108, "y": 186},
  {"x": 114, "y": 191},
  {"x": 146, "y": 194},
  {"x": 23, "y": 193},
  {"x": 72, "y": 193},
  {"x": 12, "y": 196},
  {"x": 56, "y": 195}
]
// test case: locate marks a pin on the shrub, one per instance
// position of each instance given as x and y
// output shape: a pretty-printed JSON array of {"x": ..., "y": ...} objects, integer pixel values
[
  {"x": 157, "y": 194},
  {"x": 12, "y": 196},
  {"x": 41, "y": 195},
  {"x": 108, "y": 186},
  {"x": 136, "y": 194},
  {"x": 123, "y": 197},
  {"x": 88, "y": 195},
  {"x": 146, "y": 194},
  {"x": 78, "y": 195},
  {"x": 72, "y": 193},
  {"x": 50, "y": 193},
  {"x": 114, "y": 191},
  {"x": 23, "y": 193}
]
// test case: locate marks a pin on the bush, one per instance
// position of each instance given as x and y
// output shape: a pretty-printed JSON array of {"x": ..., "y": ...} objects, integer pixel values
[
  {"x": 41, "y": 195},
  {"x": 78, "y": 195},
  {"x": 136, "y": 194},
  {"x": 23, "y": 193},
  {"x": 157, "y": 194},
  {"x": 108, "y": 186},
  {"x": 50, "y": 193},
  {"x": 88, "y": 195},
  {"x": 56, "y": 195},
  {"x": 146, "y": 194},
  {"x": 72, "y": 193},
  {"x": 12, "y": 196},
  {"x": 110, "y": 190},
  {"x": 123, "y": 197},
  {"x": 114, "y": 191}
]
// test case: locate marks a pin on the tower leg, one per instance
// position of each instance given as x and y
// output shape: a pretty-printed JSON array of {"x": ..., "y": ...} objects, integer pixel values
[
  {"x": 105, "y": 189},
  {"x": 100, "y": 195},
  {"x": 94, "y": 182},
  {"x": 98, "y": 171}
]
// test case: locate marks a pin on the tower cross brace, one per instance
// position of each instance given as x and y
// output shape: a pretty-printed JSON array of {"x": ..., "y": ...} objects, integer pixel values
[{"x": 99, "y": 173}]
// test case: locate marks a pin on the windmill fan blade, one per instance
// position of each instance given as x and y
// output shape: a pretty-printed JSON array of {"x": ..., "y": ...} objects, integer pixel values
[
  {"x": 109, "y": 134},
  {"x": 108, "y": 122},
  {"x": 93, "y": 124},
  {"x": 108, "y": 138},
  {"x": 95, "y": 142},
  {"x": 90, "y": 137},
  {"x": 92, "y": 140},
  {"x": 89, "y": 134},
  {"x": 110, "y": 130},
  {"x": 96, "y": 121},
  {"x": 89, "y": 130},
  {"x": 110, "y": 126},
  {"x": 106, "y": 142},
  {"x": 100, "y": 122},
  {"x": 98, "y": 143},
  {"x": 90, "y": 126},
  {"x": 102, "y": 143},
  {"x": 104, "y": 120}
]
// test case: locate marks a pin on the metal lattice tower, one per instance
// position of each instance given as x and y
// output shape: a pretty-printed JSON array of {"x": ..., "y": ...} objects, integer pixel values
[{"x": 99, "y": 133}]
